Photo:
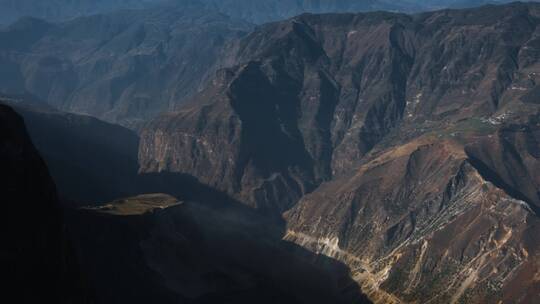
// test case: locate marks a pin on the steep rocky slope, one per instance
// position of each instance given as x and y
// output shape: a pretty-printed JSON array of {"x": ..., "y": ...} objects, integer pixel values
[
  {"x": 153, "y": 248},
  {"x": 121, "y": 67},
  {"x": 36, "y": 260},
  {"x": 309, "y": 97},
  {"x": 128, "y": 66},
  {"x": 93, "y": 162},
  {"x": 405, "y": 146},
  {"x": 421, "y": 222}
]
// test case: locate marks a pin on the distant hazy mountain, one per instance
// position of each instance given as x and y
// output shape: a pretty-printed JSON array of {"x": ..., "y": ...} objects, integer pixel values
[
  {"x": 56, "y": 10},
  {"x": 122, "y": 67},
  {"x": 258, "y": 11},
  {"x": 128, "y": 66},
  {"x": 252, "y": 10},
  {"x": 209, "y": 253}
]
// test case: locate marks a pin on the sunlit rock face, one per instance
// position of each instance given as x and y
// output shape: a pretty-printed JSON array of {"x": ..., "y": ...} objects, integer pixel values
[
  {"x": 419, "y": 223},
  {"x": 405, "y": 146}
]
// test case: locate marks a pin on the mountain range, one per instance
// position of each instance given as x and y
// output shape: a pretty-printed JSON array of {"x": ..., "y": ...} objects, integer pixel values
[
  {"x": 257, "y": 11},
  {"x": 340, "y": 157},
  {"x": 60, "y": 10},
  {"x": 124, "y": 67},
  {"x": 128, "y": 66},
  {"x": 404, "y": 146}
]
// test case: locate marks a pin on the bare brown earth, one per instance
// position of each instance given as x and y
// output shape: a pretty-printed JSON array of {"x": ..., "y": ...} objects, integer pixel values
[
  {"x": 308, "y": 98},
  {"x": 421, "y": 224},
  {"x": 405, "y": 146}
]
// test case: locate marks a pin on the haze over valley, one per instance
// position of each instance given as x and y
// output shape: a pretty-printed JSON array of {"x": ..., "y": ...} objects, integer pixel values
[{"x": 284, "y": 151}]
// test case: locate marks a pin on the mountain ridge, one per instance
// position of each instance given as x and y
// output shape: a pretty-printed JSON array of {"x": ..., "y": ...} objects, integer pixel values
[
  {"x": 390, "y": 142},
  {"x": 276, "y": 58}
]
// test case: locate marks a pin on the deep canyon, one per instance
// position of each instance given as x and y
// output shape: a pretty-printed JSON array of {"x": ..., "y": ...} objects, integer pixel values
[{"x": 181, "y": 153}]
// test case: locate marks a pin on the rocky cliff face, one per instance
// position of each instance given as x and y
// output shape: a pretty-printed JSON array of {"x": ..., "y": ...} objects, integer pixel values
[
  {"x": 128, "y": 66},
  {"x": 36, "y": 259},
  {"x": 405, "y": 146},
  {"x": 420, "y": 222},
  {"x": 309, "y": 97}
]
